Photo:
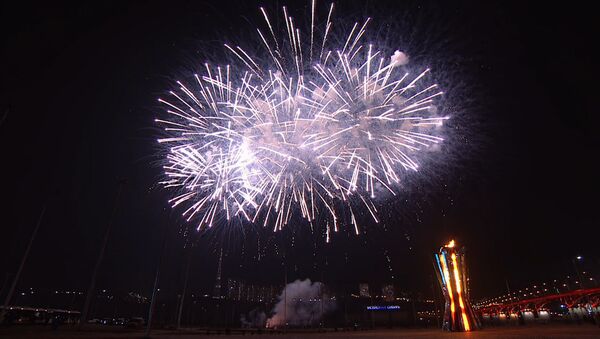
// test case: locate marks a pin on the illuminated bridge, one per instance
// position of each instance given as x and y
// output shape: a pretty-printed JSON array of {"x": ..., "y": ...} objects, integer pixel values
[{"x": 535, "y": 306}]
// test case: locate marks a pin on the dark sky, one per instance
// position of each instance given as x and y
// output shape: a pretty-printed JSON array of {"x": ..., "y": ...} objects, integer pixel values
[{"x": 78, "y": 97}]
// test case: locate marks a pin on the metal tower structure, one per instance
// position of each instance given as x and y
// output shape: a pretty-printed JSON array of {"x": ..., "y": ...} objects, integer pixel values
[{"x": 452, "y": 276}]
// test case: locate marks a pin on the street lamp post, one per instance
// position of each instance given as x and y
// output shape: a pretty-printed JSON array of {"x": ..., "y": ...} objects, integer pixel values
[
  {"x": 13, "y": 286},
  {"x": 185, "y": 282},
  {"x": 156, "y": 279},
  {"x": 91, "y": 288}
]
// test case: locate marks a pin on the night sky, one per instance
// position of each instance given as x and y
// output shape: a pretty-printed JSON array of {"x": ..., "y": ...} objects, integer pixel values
[{"x": 78, "y": 98}]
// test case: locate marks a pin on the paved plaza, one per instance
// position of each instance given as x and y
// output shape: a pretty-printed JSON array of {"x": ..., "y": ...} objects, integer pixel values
[{"x": 546, "y": 331}]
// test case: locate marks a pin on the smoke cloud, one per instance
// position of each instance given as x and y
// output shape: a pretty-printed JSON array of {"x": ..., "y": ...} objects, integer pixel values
[
  {"x": 255, "y": 319},
  {"x": 399, "y": 58},
  {"x": 300, "y": 304}
]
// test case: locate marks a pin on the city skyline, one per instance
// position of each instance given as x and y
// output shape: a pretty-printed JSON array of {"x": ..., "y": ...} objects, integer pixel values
[{"x": 78, "y": 99}]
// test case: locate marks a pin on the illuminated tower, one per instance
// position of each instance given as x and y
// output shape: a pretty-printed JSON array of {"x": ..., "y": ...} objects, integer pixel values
[{"x": 452, "y": 275}]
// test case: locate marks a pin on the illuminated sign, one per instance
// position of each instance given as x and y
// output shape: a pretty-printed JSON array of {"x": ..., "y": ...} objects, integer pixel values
[{"x": 383, "y": 307}]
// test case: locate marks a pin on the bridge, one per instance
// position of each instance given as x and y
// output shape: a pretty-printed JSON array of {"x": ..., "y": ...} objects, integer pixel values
[{"x": 580, "y": 303}]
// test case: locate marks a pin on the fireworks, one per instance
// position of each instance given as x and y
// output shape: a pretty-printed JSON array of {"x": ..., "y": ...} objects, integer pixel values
[{"x": 308, "y": 125}]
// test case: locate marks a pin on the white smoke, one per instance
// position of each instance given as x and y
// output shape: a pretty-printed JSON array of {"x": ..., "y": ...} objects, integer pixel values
[
  {"x": 255, "y": 319},
  {"x": 300, "y": 304},
  {"x": 399, "y": 58}
]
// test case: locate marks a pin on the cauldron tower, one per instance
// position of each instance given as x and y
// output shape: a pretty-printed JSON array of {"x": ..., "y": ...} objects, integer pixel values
[{"x": 454, "y": 281}]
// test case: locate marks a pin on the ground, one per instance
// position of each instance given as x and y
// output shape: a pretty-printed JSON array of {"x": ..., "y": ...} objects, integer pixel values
[{"x": 546, "y": 331}]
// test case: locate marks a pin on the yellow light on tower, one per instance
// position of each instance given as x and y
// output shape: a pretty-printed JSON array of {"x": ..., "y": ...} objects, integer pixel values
[
  {"x": 458, "y": 290},
  {"x": 449, "y": 286},
  {"x": 453, "y": 279}
]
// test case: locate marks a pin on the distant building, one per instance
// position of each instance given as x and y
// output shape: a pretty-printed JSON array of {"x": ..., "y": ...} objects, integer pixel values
[
  {"x": 240, "y": 291},
  {"x": 364, "y": 290},
  {"x": 235, "y": 290},
  {"x": 388, "y": 293}
]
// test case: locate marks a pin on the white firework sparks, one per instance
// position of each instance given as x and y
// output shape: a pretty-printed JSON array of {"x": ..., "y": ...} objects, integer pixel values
[{"x": 309, "y": 126}]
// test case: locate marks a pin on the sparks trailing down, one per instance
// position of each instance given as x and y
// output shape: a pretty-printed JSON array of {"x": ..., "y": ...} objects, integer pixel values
[{"x": 307, "y": 125}]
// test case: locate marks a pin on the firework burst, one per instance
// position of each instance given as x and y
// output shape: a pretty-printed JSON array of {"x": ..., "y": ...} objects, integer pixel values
[{"x": 305, "y": 126}]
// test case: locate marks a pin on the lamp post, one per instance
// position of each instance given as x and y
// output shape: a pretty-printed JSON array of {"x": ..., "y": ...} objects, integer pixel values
[
  {"x": 13, "y": 286},
  {"x": 156, "y": 280},
  {"x": 185, "y": 282},
  {"x": 91, "y": 288}
]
